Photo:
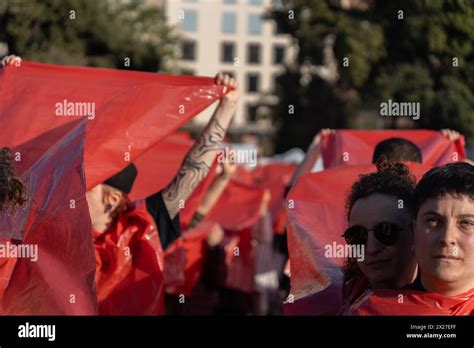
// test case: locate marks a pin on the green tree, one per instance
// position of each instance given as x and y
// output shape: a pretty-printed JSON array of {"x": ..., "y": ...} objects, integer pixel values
[
  {"x": 92, "y": 33},
  {"x": 422, "y": 54}
]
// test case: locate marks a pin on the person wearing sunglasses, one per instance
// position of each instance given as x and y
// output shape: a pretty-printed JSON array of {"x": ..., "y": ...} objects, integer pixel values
[{"x": 380, "y": 209}]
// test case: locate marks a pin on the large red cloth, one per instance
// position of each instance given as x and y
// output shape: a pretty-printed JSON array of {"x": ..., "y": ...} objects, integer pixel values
[
  {"x": 55, "y": 220},
  {"x": 184, "y": 259},
  {"x": 411, "y": 302},
  {"x": 356, "y": 147},
  {"x": 129, "y": 261},
  {"x": 274, "y": 177},
  {"x": 237, "y": 211},
  {"x": 317, "y": 217},
  {"x": 132, "y": 110},
  {"x": 159, "y": 165}
]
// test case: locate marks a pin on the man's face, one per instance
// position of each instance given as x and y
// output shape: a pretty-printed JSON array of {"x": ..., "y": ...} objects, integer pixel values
[
  {"x": 384, "y": 265},
  {"x": 444, "y": 244}
]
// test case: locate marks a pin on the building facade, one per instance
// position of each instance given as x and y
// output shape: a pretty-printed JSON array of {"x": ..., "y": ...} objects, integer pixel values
[{"x": 233, "y": 36}]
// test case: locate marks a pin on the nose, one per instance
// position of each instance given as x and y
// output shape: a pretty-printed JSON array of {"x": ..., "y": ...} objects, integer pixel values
[
  {"x": 447, "y": 235},
  {"x": 372, "y": 246}
]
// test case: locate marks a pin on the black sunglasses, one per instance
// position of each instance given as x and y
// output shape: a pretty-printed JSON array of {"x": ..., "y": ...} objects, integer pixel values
[{"x": 386, "y": 233}]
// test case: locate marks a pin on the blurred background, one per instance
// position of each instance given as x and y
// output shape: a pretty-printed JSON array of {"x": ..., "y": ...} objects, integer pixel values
[{"x": 302, "y": 65}]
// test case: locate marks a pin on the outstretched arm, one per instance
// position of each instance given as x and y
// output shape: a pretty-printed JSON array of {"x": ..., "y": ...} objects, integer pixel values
[
  {"x": 312, "y": 155},
  {"x": 199, "y": 159}
]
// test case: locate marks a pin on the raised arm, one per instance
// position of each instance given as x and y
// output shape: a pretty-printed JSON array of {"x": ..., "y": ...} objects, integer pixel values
[
  {"x": 312, "y": 155},
  {"x": 199, "y": 159}
]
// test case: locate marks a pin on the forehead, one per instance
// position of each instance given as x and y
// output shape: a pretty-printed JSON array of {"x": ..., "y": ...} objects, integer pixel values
[
  {"x": 376, "y": 208},
  {"x": 449, "y": 205}
]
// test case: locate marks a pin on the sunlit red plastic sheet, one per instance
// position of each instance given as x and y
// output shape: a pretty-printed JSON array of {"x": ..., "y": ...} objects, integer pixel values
[
  {"x": 356, "y": 147},
  {"x": 274, "y": 177},
  {"x": 237, "y": 211},
  {"x": 159, "y": 165},
  {"x": 411, "y": 302},
  {"x": 184, "y": 259},
  {"x": 130, "y": 266},
  {"x": 317, "y": 217},
  {"x": 56, "y": 220},
  {"x": 132, "y": 110}
]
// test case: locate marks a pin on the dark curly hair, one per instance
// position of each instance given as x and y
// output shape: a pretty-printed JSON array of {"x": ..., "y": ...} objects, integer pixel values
[
  {"x": 12, "y": 189},
  {"x": 393, "y": 179}
]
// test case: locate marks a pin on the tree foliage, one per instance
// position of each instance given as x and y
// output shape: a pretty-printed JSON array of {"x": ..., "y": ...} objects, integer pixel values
[
  {"x": 94, "y": 33},
  {"x": 422, "y": 54}
]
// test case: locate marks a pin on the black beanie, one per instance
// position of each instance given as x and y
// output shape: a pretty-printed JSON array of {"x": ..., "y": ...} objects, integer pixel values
[{"x": 124, "y": 179}]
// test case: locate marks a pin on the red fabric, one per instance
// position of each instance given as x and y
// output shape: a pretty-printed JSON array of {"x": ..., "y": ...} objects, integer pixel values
[
  {"x": 316, "y": 211},
  {"x": 240, "y": 259},
  {"x": 359, "y": 146},
  {"x": 275, "y": 177},
  {"x": 129, "y": 262},
  {"x": 159, "y": 165},
  {"x": 237, "y": 208},
  {"x": 184, "y": 259},
  {"x": 133, "y": 110},
  {"x": 56, "y": 220},
  {"x": 410, "y": 302}
]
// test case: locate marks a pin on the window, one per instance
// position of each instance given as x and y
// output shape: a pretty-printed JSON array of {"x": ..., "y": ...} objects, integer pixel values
[
  {"x": 253, "y": 53},
  {"x": 229, "y": 23},
  {"x": 189, "y": 50},
  {"x": 279, "y": 28},
  {"x": 252, "y": 112},
  {"x": 278, "y": 54},
  {"x": 229, "y": 1},
  {"x": 230, "y": 73},
  {"x": 255, "y": 2},
  {"x": 228, "y": 52},
  {"x": 253, "y": 82},
  {"x": 190, "y": 20},
  {"x": 254, "y": 24}
]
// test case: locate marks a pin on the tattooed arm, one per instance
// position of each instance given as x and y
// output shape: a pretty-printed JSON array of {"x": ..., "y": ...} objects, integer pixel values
[{"x": 199, "y": 159}]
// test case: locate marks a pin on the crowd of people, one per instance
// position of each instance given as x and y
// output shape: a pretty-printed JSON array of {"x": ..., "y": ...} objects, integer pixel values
[{"x": 418, "y": 236}]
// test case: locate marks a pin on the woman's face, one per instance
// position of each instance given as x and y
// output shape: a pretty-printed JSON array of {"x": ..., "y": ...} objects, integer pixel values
[
  {"x": 386, "y": 267},
  {"x": 444, "y": 240}
]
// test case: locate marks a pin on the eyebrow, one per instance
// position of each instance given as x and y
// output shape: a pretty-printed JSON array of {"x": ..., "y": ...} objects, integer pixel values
[{"x": 431, "y": 212}]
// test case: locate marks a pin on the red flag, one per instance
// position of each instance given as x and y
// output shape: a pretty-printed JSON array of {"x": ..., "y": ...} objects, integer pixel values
[
  {"x": 237, "y": 211},
  {"x": 316, "y": 211},
  {"x": 184, "y": 259},
  {"x": 127, "y": 111},
  {"x": 411, "y": 302},
  {"x": 356, "y": 147},
  {"x": 56, "y": 221},
  {"x": 275, "y": 177},
  {"x": 159, "y": 165},
  {"x": 130, "y": 266}
]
